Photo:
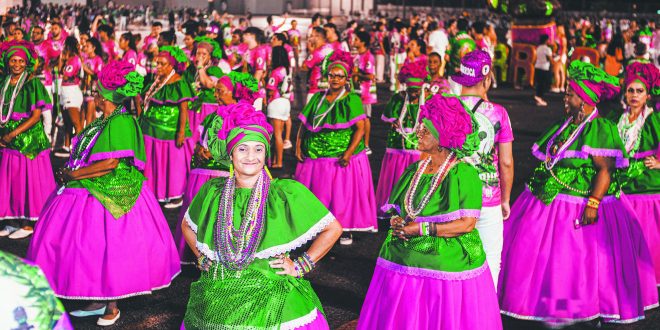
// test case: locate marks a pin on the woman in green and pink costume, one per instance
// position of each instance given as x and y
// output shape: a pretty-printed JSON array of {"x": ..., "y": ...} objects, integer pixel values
[
  {"x": 639, "y": 128},
  {"x": 164, "y": 121},
  {"x": 431, "y": 272},
  {"x": 402, "y": 113},
  {"x": 330, "y": 151},
  {"x": 230, "y": 90},
  {"x": 242, "y": 229},
  {"x": 102, "y": 236},
  {"x": 573, "y": 250},
  {"x": 26, "y": 174},
  {"x": 203, "y": 75}
]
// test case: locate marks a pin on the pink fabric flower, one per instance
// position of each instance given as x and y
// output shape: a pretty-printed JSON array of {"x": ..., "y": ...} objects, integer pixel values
[
  {"x": 113, "y": 74},
  {"x": 242, "y": 114},
  {"x": 450, "y": 120}
]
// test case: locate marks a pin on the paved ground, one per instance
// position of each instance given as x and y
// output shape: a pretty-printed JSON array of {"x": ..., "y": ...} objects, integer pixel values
[{"x": 342, "y": 278}]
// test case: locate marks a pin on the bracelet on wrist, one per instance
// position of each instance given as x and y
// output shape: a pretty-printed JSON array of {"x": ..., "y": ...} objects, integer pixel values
[{"x": 593, "y": 202}]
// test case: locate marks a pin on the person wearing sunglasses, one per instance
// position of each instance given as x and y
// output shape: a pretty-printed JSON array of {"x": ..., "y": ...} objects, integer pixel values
[
  {"x": 330, "y": 151},
  {"x": 639, "y": 127}
]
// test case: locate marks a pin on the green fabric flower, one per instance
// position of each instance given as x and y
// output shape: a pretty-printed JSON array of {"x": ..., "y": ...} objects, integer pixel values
[
  {"x": 133, "y": 86},
  {"x": 245, "y": 79}
]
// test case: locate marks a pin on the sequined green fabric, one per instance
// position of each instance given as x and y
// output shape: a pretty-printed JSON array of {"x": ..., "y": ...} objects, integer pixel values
[
  {"x": 162, "y": 121},
  {"x": 118, "y": 190},
  {"x": 328, "y": 143},
  {"x": 392, "y": 112},
  {"x": 460, "y": 190},
  {"x": 600, "y": 135},
  {"x": 332, "y": 141},
  {"x": 254, "y": 298},
  {"x": 29, "y": 143}
]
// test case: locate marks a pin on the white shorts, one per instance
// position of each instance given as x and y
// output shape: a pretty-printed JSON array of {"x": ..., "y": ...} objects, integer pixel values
[
  {"x": 279, "y": 108},
  {"x": 367, "y": 109},
  {"x": 71, "y": 97}
]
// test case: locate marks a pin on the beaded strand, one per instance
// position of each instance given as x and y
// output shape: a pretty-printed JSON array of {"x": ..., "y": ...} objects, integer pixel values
[{"x": 411, "y": 211}]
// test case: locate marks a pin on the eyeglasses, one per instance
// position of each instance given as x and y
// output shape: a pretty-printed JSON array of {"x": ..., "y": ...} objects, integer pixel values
[
  {"x": 638, "y": 90},
  {"x": 336, "y": 76}
]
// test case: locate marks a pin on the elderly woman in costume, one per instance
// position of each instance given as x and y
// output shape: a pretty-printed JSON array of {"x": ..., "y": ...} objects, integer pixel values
[
  {"x": 402, "y": 112},
  {"x": 26, "y": 175},
  {"x": 330, "y": 148},
  {"x": 203, "y": 76},
  {"x": 243, "y": 228},
  {"x": 639, "y": 128},
  {"x": 102, "y": 235},
  {"x": 164, "y": 121},
  {"x": 432, "y": 272},
  {"x": 572, "y": 249},
  {"x": 237, "y": 87}
]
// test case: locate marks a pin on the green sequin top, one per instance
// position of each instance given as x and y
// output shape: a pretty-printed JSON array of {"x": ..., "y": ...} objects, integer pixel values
[
  {"x": 576, "y": 169},
  {"x": 204, "y": 95},
  {"x": 161, "y": 120},
  {"x": 32, "y": 96},
  {"x": 638, "y": 179},
  {"x": 391, "y": 115},
  {"x": 459, "y": 195},
  {"x": 330, "y": 137},
  {"x": 209, "y": 139},
  {"x": 255, "y": 297},
  {"x": 118, "y": 190},
  {"x": 27, "y": 300}
]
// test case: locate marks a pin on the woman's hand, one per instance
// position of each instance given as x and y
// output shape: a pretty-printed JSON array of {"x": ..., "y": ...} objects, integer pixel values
[
  {"x": 180, "y": 138},
  {"x": 299, "y": 156},
  {"x": 285, "y": 264},
  {"x": 344, "y": 160},
  {"x": 506, "y": 210},
  {"x": 6, "y": 140},
  {"x": 63, "y": 176},
  {"x": 404, "y": 232},
  {"x": 652, "y": 163},
  {"x": 590, "y": 216},
  {"x": 201, "y": 154}
]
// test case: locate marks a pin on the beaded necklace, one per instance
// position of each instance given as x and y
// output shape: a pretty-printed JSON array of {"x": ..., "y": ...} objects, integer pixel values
[
  {"x": 629, "y": 132},
  {"x": 235, "y": 248},
  {"x": 155, "y": 88},
  {"x": 411, "y": 211},
  {"x": 12, "y": 101},
  {"x": 85, "y": 141},
  {"x": 317, "y": 120},
  {"x": 402, "y": 130},
  {"x": 554, "y": 153}
]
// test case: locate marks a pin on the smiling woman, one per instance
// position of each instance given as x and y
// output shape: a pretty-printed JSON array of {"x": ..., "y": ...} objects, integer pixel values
[
  {"x": 242, "y": 229},
  {"x": 26, "y": 176}
]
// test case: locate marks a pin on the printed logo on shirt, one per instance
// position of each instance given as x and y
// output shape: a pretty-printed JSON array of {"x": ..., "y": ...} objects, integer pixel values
[{"x": 68, "y": 68}]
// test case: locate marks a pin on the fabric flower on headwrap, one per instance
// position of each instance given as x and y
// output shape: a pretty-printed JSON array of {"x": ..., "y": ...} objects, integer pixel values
[
  {"x": 118, "y": 81},
  {"x": 448, "y": 120},
  {"x": 591, "y": 83},
  {"x": 175, "y": 56},
  {"x": 647, "y": 74},
  {"x": 413, "y": 74},
  {"x": 243, "y": 85},
  {"x": 211, "y": 45},
  {"x": 21, "y": 48},
  {"x": 338, "y": 58},
  {"x": 243, "y": 123}
]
